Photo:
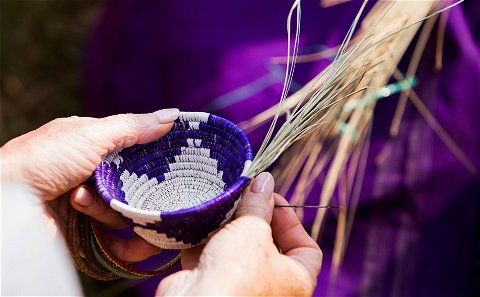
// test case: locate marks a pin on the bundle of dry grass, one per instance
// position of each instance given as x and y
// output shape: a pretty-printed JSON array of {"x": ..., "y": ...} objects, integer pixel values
[{"x": 331, "y": 116}]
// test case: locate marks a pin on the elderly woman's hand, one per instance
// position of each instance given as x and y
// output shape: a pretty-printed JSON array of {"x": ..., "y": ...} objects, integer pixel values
[
  {"x": 263, "y": 251},
  {"x": 62, "y": 154}
]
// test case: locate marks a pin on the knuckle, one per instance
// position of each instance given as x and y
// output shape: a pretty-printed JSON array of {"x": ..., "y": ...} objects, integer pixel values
[
  {"x": 62, "y": 126},
  {"x": 251, "y": 207},
  {"x": 73, "y": 118},
  {"x": 55, "y": 123},
  {"x": 131, "y": 126},
  {"x": 257, "y": 200},
  {"x": 129, "y": 120},
  {"x": 65, "y": 120}
]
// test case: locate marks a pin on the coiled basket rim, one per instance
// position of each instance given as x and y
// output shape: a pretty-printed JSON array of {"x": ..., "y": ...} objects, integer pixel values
[{"x": 155, "y": 214}]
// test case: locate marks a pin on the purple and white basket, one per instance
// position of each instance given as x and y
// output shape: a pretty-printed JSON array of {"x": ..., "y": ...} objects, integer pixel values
[{"x": 179, "y": 190}]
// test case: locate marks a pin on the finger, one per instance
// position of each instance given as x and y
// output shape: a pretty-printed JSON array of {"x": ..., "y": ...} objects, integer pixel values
[
  {"x": 125, "y": 130},
  {"x": 292, "y": 238},
  {"x": 191, "y": 256},
  {"x": 257, "y": 199},
  {"x": 132, "y": 250},
  {"x": 84, "y": 200}
]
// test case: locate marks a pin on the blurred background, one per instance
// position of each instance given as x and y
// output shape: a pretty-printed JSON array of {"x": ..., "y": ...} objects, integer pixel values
[
  {"x": 42, "y": 46},
  {"x": 41, "y": 53}
]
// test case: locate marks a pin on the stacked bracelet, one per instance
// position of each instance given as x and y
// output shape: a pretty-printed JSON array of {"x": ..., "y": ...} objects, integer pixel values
[
  {"x": 77, "y": 240},
  {"x": 121, "y": 268},
  {"x": 96, "y": 260}
]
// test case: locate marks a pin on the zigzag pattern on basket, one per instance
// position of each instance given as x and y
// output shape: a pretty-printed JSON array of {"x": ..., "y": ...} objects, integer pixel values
[{"x": 179, "y": 190}]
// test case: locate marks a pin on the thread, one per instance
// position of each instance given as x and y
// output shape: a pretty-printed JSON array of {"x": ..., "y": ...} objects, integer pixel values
[{"x": 309, "y": 206}]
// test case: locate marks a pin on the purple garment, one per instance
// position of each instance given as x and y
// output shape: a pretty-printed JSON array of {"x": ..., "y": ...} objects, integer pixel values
[{"x": 416, "y": 231}]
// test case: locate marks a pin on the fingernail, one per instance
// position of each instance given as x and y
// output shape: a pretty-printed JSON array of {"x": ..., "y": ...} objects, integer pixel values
[
  {"x": 166, "y": 116},
  {"x": 83, "y": 197},
  {"x": 263, "y": 183}
]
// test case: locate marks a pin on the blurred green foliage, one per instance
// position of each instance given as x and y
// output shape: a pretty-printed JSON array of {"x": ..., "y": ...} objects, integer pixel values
[{"x": 41, "y": 52}]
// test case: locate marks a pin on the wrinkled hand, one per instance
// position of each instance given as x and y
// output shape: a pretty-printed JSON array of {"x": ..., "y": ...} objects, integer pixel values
[
  {"x": 62, "y": 154},
  {"x": 243, "y": 258}
]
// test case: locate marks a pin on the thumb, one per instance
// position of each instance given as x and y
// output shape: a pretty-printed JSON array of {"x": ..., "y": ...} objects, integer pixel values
[
  {"x": 257, "y": 199},
  {"x": 124, "y": 130}
]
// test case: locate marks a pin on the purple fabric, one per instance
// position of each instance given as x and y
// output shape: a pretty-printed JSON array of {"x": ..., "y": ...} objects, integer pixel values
[{"x": 416, "y": 232}]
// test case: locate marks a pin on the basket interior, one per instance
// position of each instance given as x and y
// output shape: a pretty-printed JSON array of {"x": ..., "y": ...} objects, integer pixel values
[{"x": 195, "y": 162}]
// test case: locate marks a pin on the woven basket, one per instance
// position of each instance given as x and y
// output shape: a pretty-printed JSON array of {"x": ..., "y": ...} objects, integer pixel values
[{"x": 179, "y": 190}]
